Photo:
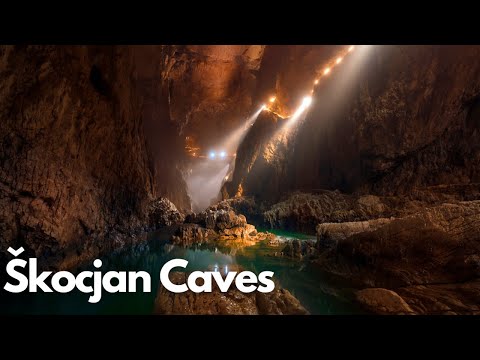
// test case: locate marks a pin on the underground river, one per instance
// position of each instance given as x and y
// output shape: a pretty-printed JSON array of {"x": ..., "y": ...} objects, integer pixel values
[{"x": 305, "y": 281}]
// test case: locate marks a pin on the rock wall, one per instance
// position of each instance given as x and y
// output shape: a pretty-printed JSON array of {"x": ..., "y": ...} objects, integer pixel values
[
  {"x": 74, "y": 167},
  {"x": 402, "y": 117},
  {"x": 165, "y": 144},
  {"x": 389, "y": 120},
  {"x": 210, "y": 87}
]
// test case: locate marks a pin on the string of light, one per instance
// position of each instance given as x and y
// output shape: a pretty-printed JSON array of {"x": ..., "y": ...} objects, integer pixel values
[
  {"x": 323, "y": 71},
  {"x": 320, "y": 72}
]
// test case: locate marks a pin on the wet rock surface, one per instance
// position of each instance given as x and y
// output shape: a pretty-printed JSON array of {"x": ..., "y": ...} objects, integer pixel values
[
  {"x": 164, "y": 213},
  {"x": 329, "y": 234},
  {"x": 430, "y": 299},
  {"x": 430, "y": 258},
  {"x": 300, "y": 249},
  {"x": 443, "y": 299},
  {"x": 424, "y": 248},
  {"x": 407, "y": 119},
  {"x": 304, "y": 211},
  {"x": 74, "y": 169},
  {"x": 233, "y": 302},
  {"x": 206, "y": 83},
  {"x": 436, "y": 245},
  {"x": 218, "y": 222},
  {"x": 383, "y": 301}
]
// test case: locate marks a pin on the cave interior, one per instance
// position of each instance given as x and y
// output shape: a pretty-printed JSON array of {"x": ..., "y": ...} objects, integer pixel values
[{"x": 368, "y": 151}]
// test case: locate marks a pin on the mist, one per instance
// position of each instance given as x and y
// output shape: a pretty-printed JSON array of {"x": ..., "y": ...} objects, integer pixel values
[
  {"x": 206, "y": 175},
  {"x": 204, "y": 180}
]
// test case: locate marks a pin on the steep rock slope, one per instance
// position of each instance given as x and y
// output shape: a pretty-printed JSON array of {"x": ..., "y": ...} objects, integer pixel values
[
  {"x": 390, "y": 119},
  {"x": 74, "y": 168},
  {"x": 210, "y": 87}
]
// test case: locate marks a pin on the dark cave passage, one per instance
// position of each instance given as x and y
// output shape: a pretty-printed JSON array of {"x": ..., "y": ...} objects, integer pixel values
[{"x": 367, "y": 156}]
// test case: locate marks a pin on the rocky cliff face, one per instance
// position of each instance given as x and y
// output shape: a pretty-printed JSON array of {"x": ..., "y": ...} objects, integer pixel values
[
  {"x": 406, "y": 117},
  {"x": 388, "y": 120},
  {"x": 394, "y": 131},
  {"x": 91, "y": 135},
  {"x": 165, "y": 144},
  {"x": 210, "y": 88},
  {"x": 74, "y": 166}
]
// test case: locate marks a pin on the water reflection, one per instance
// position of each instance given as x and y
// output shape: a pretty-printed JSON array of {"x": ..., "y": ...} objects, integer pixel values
[{"x": 301, "y": 279}]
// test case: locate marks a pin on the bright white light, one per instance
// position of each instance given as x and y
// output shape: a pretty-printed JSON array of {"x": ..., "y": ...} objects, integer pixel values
[
  {"x": 223, "y": 154},
  {"x": 339, "y": 60},
  {"x": 307, "y": 100},
  {"x": 264, "y": 107},
  {"x": 326, "y": 71},
  {"x": 272, "y": 99},
  {"x": 350, "y": 49},
  {"x": 212, "y": 155}
]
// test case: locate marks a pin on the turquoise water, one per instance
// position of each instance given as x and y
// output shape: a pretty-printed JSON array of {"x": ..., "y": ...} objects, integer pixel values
[
  {"x": 304, "y": 281},
  {"x": 288, "y": 234}
]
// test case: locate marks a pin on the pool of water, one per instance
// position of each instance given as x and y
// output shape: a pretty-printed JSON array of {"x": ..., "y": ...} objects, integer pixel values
[
  {"x": 289, "y": 235},
  {"x": 304, "y": 281}
]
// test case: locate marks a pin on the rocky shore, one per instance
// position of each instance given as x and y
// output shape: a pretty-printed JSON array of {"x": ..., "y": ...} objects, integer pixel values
[
  {"x": 217, "y": 223},
  {"x": 404, "y": 255},
  {"x": 278, "y": 302}
]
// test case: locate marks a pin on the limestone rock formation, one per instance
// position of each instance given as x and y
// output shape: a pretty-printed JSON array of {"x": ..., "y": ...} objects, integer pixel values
[
  {"x": 233, "y": 302},
  {"x": 303, "y": 212},
  {"x": 210, "y": 88},
  {"x": 443, "y": 299},
  {"x": 435, "y": 299},
  {"x": 218, "y": 222},
  {"x": 300, "y": 249},
  {"x": 435, "y": 245},
  {"x": 190, "y": 234},
  {"x": 164, "y": 213},
  {"x": 383, "y": 302},
  {"x": 391, "y": 120},
  {"x": 329, "y": 234},
  {"x": 430, "y": 258},
  {"x": 73, "y": 157}
]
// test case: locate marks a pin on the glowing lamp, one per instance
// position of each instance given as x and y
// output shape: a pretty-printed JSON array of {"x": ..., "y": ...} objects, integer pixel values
[
  {"x": 326, "y": 71},
  {"x": 272, "y": 99},
  {"x": 316, "y": 82},
  {"x": 307, "y": 100},
  {"x": 339, "y": 60},
  {"x": 223, "y": 154},
  {"x": 212, "y": 155}
]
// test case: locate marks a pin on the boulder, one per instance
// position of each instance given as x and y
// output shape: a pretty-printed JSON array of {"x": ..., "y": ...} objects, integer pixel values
[
  {"x": 440, "y": 244},
  {"x": 164, "y": 213},
  {"x": 278, "y": 302},
  {"x": 329, "y": 234},
  {"x": 299, "y": 249},
  {"x": 189, "y": 234},
  {"x": 383, "y": 301},
  {"x": 217, "y": 222}
]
